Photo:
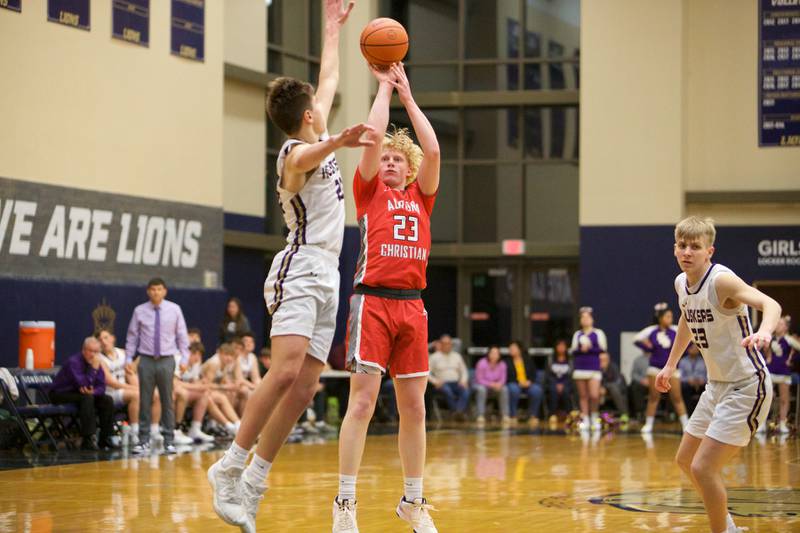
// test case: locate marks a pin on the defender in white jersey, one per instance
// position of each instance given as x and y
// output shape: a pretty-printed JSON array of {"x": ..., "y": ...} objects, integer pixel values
[
  {"x": 301, "y": 290},
  {"x": 714, "y": 315}
]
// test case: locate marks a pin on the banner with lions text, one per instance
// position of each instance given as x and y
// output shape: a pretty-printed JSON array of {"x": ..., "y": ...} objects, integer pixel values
[{"x": 56, "y": 232}]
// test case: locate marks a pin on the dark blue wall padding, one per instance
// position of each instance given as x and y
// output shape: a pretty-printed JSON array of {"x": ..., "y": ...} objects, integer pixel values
[{"x": 625, "y": 270}]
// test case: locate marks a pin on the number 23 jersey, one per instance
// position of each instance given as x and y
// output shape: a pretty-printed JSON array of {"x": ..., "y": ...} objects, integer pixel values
[
  {"x": 395, "y": 234},
  {"x": 717, "y": 331}
]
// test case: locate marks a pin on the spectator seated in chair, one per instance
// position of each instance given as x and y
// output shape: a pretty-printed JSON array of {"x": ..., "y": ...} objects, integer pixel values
[
  {"x": 613, "y": 386},
  {"x": 490, "y": 381},
  {"x": 450, "y": 378},
  {"x": 559, "y": 382},
  {"x": 81, "y": 381},
  {"x": 522, "y": 379},
  {"x": 693, "y": 377},
  {"x": 190, "y": 391}
]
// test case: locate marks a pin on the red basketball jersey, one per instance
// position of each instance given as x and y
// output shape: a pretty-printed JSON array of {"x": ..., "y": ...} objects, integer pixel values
[{"x": 395, "y": 234}]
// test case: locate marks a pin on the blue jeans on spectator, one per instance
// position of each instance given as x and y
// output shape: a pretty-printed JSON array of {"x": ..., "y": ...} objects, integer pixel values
[
  {"x": 535, "y": 395},
  {"x": 457, "y": 397},
  {"x": 563, "y": 401}
]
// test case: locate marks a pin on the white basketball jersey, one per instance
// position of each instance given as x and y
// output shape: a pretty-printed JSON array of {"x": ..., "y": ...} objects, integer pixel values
[
  {"x": 716, "y": 331},
  {"x": 315, "y": 215}
]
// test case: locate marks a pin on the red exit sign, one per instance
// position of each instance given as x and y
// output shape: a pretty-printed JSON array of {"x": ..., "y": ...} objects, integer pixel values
[{"x": 513, "y": 247}]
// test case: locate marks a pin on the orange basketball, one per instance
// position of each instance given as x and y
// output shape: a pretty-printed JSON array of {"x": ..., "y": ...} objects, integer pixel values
[{"x": 384, "y": 41}]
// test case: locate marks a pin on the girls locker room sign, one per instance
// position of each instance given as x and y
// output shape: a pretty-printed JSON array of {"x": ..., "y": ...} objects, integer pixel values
[
  {"x": 64, "y": 233},
  {"x": 779, "y": 73}
]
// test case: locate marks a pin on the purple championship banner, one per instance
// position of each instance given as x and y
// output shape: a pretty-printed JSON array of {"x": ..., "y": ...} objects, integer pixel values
[
  {"x": 130, "y": 21},
  {"x": 13, "y": 5},
  {"x": 188, "y": 29},
  {"x": 779, "y": 73},
  {"x": 73, "y": 13}
]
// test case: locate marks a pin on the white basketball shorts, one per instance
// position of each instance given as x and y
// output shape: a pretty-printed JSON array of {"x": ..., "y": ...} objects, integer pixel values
[
  {"x": 302, "y": 295},
  {"x": 730, "y": 412}
]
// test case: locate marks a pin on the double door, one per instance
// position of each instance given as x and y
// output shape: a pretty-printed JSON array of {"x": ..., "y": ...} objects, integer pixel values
[{"x": 533, "y": 303}]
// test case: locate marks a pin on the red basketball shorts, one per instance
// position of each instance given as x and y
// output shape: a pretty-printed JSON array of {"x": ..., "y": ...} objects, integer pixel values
[{"x": 387, "y": 333}]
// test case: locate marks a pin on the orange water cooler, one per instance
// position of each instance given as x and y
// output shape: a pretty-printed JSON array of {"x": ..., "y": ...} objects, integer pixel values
[{"x": 40, "y": 337}]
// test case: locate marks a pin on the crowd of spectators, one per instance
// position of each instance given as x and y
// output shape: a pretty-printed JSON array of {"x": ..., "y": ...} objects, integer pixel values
[{"x": 206, "y": 396}]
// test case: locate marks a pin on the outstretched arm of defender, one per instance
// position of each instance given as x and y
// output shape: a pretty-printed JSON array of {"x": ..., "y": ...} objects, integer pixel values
[
  {"x": 682, "y": 339},
  {"x": 379, "y": 120},
  {"x": 306, "y": 157},
  {"x": 335, "y": 16},
  {"x": 732, "y": 290},
  {"x": 428, "y": 174}
]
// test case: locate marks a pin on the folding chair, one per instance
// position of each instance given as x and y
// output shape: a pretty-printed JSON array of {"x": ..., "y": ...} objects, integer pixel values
[
  {"x": 10, "y": 404},
  {"x": 36, "y": 405}
]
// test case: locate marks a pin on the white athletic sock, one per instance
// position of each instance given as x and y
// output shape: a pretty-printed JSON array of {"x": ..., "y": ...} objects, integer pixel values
[
  {"x": 347, "y": 488},
  {"x": 412, "y": 487},
  {"x": 236, "y": 456},
  {"x": 135, "y": 428},
  {"x": 729, "y": 522},
  {"x": 595, "y": 418},
  {"x": 585, "y": 419},
  {"x": 649, "y": 421},
  {"x": 685, "y": 420},
  {"x": 154, "y": 429},
  {"x": 257, "y": 471}
]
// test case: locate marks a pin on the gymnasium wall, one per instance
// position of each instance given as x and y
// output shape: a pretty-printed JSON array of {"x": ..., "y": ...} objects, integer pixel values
[
  {"x": 669, "y": 106},
  {"x": 721, "y": 114},
  {"x": 90, "y": 113},
  {"x": 93, "y": 112},
  {"x": 244, "y": 116}
]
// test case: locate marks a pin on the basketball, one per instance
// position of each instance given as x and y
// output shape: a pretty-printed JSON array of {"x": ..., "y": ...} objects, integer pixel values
[{"x": 384, "y": 41}]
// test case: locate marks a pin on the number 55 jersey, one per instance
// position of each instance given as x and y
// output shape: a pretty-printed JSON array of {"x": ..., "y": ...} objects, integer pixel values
[
  {"x": 395, "y": 234},
  {"x": 718, "y": 332}
]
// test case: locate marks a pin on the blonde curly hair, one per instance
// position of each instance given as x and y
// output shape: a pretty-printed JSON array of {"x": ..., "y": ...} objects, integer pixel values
[{"x": 400, "y": 140}]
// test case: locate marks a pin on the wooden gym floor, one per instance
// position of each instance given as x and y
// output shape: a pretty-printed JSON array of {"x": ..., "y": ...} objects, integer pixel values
[{"x": 479, "y": 482}]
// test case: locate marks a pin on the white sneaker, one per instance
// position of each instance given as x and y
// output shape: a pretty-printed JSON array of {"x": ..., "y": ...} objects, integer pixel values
[
  {"x": 156, "y": 439},
  {"x": 344, "y": 516},
  {"x": 416, "y": 513},
  {"x": 251, "y": 499},
  {"x": 480, "y": 421},
  {"x": 647, "y": 429},
  {"x": 199, "y": 436},
  {"x": 783, "y": 429},
  {"x": 762, "y": 428},
  {"x": 226, "y": 492},
  {"x": 597, "y": 426},
  {"x": 583, "y": 427},
  {"x": 181, "y": 438}
]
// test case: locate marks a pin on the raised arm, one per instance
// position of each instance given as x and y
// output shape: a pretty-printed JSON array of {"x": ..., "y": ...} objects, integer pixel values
[
  {"x": 306, "y": 157},
  {"x": 378, "y": 119},
  {"x": 428, "y": 174},
  {"x": 335, "y": 17}
]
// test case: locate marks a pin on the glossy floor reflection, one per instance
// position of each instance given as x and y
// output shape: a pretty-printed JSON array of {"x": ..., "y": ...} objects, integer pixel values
[{"x": 479, "y": 482}]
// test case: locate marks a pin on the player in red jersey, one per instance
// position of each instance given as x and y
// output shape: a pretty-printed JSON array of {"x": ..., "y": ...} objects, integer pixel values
[{"x": 395, "y": 188}]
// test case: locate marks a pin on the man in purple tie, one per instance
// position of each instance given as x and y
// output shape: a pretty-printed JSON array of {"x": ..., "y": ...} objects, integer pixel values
[{"x": 156, "y": 336}]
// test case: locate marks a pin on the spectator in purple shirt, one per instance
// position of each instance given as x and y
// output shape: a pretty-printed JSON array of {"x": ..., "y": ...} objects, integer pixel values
[
  {"x": 156, "y": 334},
  {"x": 82, "y": 381},
  {"x": 490, "y": 380}
]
